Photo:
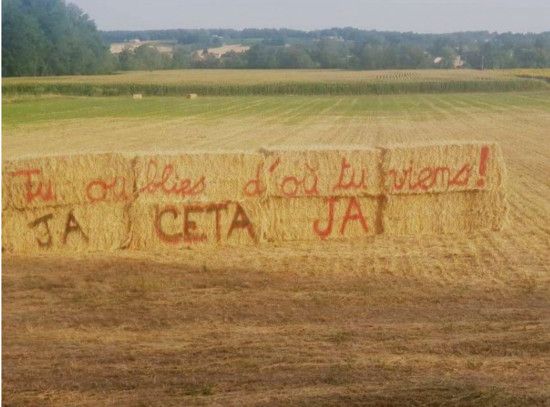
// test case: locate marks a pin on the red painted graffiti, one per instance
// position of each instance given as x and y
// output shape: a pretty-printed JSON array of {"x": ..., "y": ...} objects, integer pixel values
[
  {"x": 327, "y": 231},
  {"x": 168, "y": 182},
  {"x": 275, "y": 164},
  {"x": 255, "y": 187},
  {"x": 483, "y": 159},
  {"x": 306, "y": 185},
  {"x": 98, "y": 190},
  {"x": 427, "y": 178},
  {"x": 189, "y": 231},
  {"x": 42, "y": 191},
  {"x": 241, "y": 221},
  {"x": 41, "y": 227},
  {"x": 441, "y": 177},
  {"x": 353, "y": 213},
  {"x": 165, "y": 236},
  {"x": 346, "y": 179},
  {"x": 290, "y": 185}
]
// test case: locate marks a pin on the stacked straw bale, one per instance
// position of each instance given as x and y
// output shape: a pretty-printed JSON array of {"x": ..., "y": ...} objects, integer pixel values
[
  {"x": 172, "y": 201},
  {"x": 448, "y": 188},
  {"x": 67, "y": 203},
  {"x": 310, "y": 192},
  {"x": 78, "y": 228},
  {"x": 441, "y": 168},
  {"x": 197, "y": 199}
]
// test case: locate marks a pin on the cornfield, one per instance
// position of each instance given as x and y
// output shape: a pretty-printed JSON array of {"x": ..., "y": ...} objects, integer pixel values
[{"x": 278, "y": 82}]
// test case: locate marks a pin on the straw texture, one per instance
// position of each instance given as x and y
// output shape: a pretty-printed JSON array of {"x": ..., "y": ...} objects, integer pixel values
[
  {"x": 200, "y": 177},
  {"x": 167, "y": 226},
  {"x": 66, "y": 180},
  {"x": 78, "y": 228},
  {"x": 322, "y": 172},
  {"x": 456, "y": 212},
  {"x": 327, "y": 218},
  {"x": 442, "y": 168}
]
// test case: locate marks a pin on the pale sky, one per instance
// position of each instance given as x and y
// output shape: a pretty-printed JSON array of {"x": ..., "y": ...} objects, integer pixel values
[{"x": 426, "y": 16}]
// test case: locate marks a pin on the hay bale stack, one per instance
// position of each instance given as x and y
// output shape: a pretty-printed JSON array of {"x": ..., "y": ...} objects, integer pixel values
[
  {"x": 66, "y": 203},
  {"x": 166, "y": 201},
  {"x": 321, "y": 193},
  {"x": 443, "y": 188},
  {"x": 67, "y": 180},
  {"x": 198, "y": 199},
  {"x": 77, "y": 228}
]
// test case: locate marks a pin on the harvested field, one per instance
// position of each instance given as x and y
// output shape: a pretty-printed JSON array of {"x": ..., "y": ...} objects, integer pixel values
[
  {"x": 391, "y": 326},
  {"x": 60, "y": 124},
  {"x": 399, "y": 320}
]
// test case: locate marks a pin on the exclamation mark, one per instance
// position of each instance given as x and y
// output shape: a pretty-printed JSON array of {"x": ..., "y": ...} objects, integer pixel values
[{"x": 484, "y": 157}]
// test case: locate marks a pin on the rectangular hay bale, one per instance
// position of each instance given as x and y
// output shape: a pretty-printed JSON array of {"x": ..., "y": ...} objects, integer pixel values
[
  {"x": 74, "y": 228},
  {"x": 456, "y": 212},
  {"x": 67, "y": 180},
  {"x": 448, "y": 167}
]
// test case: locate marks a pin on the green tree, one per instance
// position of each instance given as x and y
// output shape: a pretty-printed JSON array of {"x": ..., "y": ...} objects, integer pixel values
[
  {"x": 331, "y": 53},
  {"x": 147, "y": 57},
  {"x": 181, "y": 58},
  {"x": 43, "y": 37}
]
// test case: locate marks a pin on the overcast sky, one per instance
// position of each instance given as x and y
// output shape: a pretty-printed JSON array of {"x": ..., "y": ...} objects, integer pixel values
[{"x": 434, "y": 16}]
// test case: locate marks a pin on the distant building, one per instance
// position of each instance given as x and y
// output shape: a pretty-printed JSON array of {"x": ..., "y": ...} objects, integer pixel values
[
  {"x": 458, "y": 62},
  {"x": 218, "y": 52}
]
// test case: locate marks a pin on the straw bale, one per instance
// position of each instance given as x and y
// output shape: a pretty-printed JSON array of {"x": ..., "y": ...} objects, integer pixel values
[
  {"x": 290, "y": 219},
  {"x": 168, "y": 225},
  {"x": 322, "y": 172},
  {"x": 192, "y": 96},
  {"x": 137, "y": 96},
  {"x": 200, "y": 177},
  {"x": 410, "y": 169},
  {"x": 77, "y": 228},
  {"x": 453, "y": 212},
  {"x": 67, "y": 180}
]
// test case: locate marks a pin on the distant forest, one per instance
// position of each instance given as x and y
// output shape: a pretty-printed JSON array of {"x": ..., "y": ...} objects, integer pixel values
[
  {"x": 50, "y": 37},
  {"x": 347, "y": 48}
]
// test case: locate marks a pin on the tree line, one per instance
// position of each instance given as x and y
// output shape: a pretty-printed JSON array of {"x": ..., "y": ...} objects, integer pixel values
[
  {"x": 51, "y": 37},
  {"x": 343, "y": 48}
]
